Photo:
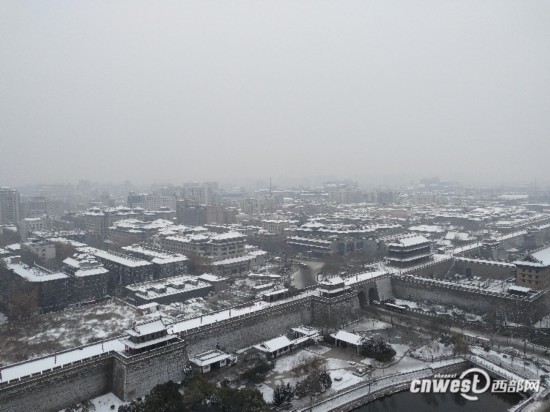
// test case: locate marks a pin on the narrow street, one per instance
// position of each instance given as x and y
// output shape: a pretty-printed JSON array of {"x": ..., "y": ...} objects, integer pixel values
[{"x": 425, "y": 323}]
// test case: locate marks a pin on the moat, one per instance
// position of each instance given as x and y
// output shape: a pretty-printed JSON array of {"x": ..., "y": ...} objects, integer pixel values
[{"x": 448, "y": 402}]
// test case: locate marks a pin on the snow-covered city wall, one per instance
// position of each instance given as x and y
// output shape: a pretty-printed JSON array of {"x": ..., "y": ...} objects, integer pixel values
[{"x": 60, "y": 387}]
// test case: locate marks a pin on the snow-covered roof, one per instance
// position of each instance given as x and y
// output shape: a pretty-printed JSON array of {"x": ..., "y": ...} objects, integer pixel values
[
  {"x": 91, "y": 272},
  {"x": 536, "y": 259},
  {"x": 274, "y": 344},
  {"x": 140, "y": 345},
  {"x": 147, "y": 328},
  {"x": 543, "y": 256},
  {"x": 336, "y": 280},
  {"x": 34, "y": 274},
  {"x": 167, "y": 286},
  {"x": 238, "y": 259},
  {"x": 426, "y": 228},
  {"x": 208, "y": 358},
  {"x": 148, "y": 305},
  {"x": 521, "y": 289},
  {"x": 409, "y": 241},
  {"x": 228, "y": 236},
  {"x": 276, "y": 292},
  {"x": 306, "y": 330},
  {"x": 347, "y": 337},
  {"x": 156, "y": 255},
  {"x": 119, "y": 258},
  {"x": 208, "y": 277}
]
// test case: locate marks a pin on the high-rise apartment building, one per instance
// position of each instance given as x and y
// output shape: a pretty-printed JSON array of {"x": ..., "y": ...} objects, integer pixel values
[{"x": 9, "y": 206}]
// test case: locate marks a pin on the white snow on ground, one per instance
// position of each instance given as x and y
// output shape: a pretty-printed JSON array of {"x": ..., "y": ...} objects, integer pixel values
[
  {"x": 292, "y": 360},
  {"x": 56, "y": 331},
  {"x": 292, "y": 381},
  {"x": 400, "y": 349},
  {"x": 3, "y": 318},
  {"x": 408, "y": 303},
  {"x": 432, "y": 350},
  {"x": 103, "y": 403},
  {"x": 266, "y": 391},
  {"x": 519, "y": 364},
  {"x": 191, "y": 308},
  {"x": 367, "y": 325},
  {"x": 318, "y": 349},
  {"x": 348, "y": 379},
  {"x": 335, "y": 364},
  {"x": 406, "y": 364}
]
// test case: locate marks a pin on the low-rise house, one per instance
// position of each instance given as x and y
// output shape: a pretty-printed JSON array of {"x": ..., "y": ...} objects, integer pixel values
[
  {"x": 212, "y": 360},
  {"x": 275, "y": 347},
  {"x": 347, "y": 340}
]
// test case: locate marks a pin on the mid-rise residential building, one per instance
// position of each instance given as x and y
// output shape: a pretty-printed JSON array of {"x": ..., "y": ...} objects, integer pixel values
[
  {"x": 215, "y": 246},
  {"x": 165, "y": 263},
  {"x": 97, "y": 220},
  {"x": 44, "y": 249},
  {"x": 124, "y": 268},
  {"x": 34, "y": 224},
  {"x": 166, "y": 291},
  {"x": 88, "y": 277},
  {"x": 277, "y": 226},
  {"x": 533, "y": 271},
  {"x": 226, "y": 251},
  {"x": 51, "y": 289}
]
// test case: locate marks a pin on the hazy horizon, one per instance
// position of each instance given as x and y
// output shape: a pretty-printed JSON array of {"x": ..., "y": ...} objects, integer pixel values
[{"x": 374, "y": 91}]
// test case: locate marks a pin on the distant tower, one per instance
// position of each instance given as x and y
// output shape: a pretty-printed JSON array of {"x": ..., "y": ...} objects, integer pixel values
[{"x": 270, "y": 205}]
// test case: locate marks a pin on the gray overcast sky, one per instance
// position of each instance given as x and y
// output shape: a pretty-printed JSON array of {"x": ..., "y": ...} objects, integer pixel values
[{"x": 168, "y": 91}]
